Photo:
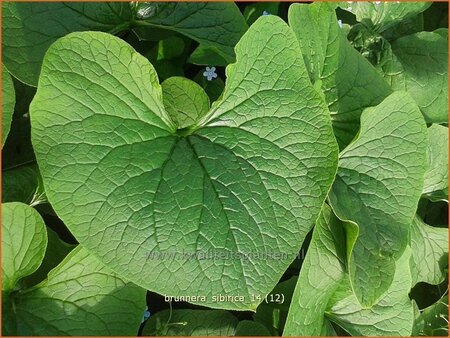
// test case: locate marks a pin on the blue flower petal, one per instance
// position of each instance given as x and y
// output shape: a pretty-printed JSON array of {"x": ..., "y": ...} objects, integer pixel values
[{"x": 146, "y": 315}]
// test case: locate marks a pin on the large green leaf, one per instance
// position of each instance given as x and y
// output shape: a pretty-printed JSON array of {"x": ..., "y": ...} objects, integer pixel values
[
  {"x": 191, "y": 323},
  {"x": 435, "y": 186},
  {"x": 378, "y": 186},
  {"x": 246, "y": 182},
  {"x": 216, "y": 26},
  {"x": 24, "y": 240},
  {"x": 322, "y": 272},
  {"x": 385, "y": 14},
  {"x": 348, "y": 81},
  {"x": 391, "y": 315},
  {"x": 80, "y": 297},
  {"x": 429, "y": 252},
  {"x": 29, "y": 28},
  {"x": 418, "y": 64},
  {"x": 8, "y": 102},
  {"x": 184, "y": 100}
]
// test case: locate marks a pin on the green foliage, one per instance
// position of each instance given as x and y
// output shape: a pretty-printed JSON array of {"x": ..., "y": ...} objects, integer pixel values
[
  {"x": 433, "y": 321},
  {"x": 191, "y": 323},
  {"x": 273, "y": 312},
  {"x": 184, "y": 100},
  {"x": 435, "y": 186},
  {"x": 8, "y": 102},
  {"x": 30, "y": 28},
  {"x": 392, "y": 139},
  {"x": 80, "y": 288},
  {"x": 429, "y": 252},
  {"x": 322, "y": 272},
  {"x": 23, "y": 184},
  {"x": 134, "y": 175},
  {"x": 23, "y": 243},
  {"x": 418, "y": 64},
  {"x": 383, "y": 15},
  {"x": 195, "y": 20},
  {"x": 390, "y": 35},
  {"x": 348, "y": 82},
  {"x": 230, "y": 198}
]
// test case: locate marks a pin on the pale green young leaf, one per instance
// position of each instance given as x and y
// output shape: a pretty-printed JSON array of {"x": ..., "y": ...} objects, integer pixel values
[
  {"x": 418, "y": 64},
  {"x": 429, "y": 252},
  {"x": 250, "y": 179},
  {"x": 436, "y": 178},
  {"x": 24, "y": 240},
  {"x": 348, "y": 81},
  {"x": 378, "y": 185},
  {"x": 191, "y": 323},
  {"x": 391, "y": 315},
  {"x": 385, "y": 14},
  {"x": 29, "y": 28},
  {"x": 8, "y": 102},
  {"x": 184, "y": 100},
  {"x": 322, "y": 272},
  {"x": 80, "y": 297},
  {"x": 216, "y": 26}
]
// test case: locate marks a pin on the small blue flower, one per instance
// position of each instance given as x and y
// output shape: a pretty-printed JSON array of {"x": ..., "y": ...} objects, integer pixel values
[
  {"x": 340, "y": 23},
  {"x": 265, "y": 13},
  {"x": 146, "y": 315},
  {"x": 210, "y": 73}
]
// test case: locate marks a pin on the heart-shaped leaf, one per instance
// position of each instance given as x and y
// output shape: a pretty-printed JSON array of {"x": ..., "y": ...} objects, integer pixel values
[{"x": 244, "y": 183}]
